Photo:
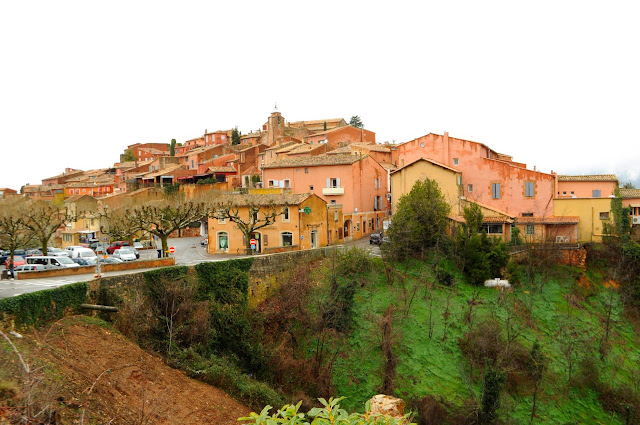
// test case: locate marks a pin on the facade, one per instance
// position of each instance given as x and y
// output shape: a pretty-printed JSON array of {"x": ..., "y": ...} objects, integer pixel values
[
  {"x": 589, "y": 186},
  {"x": 5, "y": 192},
  {"x": 86, "y": 226},
  {"x": 487, "y": 177},
  {"x": 358, "y": 184},
  {"x": 302, "y": 224},
  {"x": 592, "y": 214}
]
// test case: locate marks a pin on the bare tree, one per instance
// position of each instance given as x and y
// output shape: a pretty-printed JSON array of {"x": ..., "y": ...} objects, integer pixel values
[
  {"x": 161, "y": 218},
  {"x": 255, "y": 217},
  {"x": 14, "y": 232},
  {"x": 119, "y": 223},
  {"x": 44, "y": 218}
]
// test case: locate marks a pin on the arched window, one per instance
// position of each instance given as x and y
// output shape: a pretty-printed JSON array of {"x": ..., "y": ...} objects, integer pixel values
[
  {"x": 222, "y": 241},
  {"x": 286, "y": 238}
]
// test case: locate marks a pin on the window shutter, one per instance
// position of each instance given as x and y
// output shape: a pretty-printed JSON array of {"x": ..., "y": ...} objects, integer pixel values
[
  {"x": 338, "y": 182},
  {"x": 328, "y": 182},
  {"x": 265, "y": 240}
]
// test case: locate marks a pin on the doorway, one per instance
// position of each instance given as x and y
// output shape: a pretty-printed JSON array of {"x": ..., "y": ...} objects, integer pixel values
[{"x": 314, "y": 239}]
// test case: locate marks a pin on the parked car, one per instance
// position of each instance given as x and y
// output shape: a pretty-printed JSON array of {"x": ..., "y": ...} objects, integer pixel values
[
  {"x": 125, "y": 254},
  {"x": 31, "y": 252},
  {"x": 138, "y": 245},
  {"x": 57, "y": 252},
  {"x": 52, "y": 262},
  {"x": 116, "y": 245},
  {"x": 90, "y": 261},
  {"x": 110, "y": 260},
  {"x": 29, "y": 268},
  {"x": 20, "y": 252},
  {"x": 99, "y": 247},
  {"x": 83, "y": 253},
  {"x": 204, "y": 242},
  {"x": 375, "y": 239},
  {"x": 17, "y": 261},
  {"x": 70, "y": 249},
  {"x": 385, "y": 240},
  {"x": 3, "y": 257}
]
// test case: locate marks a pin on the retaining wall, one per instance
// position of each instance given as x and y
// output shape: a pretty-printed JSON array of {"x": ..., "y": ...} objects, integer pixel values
[{"x": 74, "y": 271}]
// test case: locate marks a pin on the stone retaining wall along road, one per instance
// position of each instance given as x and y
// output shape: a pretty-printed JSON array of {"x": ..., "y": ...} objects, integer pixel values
[{"x": 74, "y": 271}]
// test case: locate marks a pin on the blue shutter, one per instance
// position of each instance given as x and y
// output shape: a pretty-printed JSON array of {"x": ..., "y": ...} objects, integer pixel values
[{"x": 328, "y": 182}]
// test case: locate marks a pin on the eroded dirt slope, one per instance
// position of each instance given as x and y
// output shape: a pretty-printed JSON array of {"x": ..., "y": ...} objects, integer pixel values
[{"x": 94, "y": 369}]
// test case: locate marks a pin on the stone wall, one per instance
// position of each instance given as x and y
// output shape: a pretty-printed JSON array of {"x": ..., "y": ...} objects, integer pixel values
[
  {"x": 73, "y": 271},
  {"x": 268, "y": 272}
]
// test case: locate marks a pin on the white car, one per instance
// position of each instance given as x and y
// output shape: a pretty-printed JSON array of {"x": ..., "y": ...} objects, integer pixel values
[
  {"x": 83, "y": 253},
  {"x": 57, "y": 252},
  {"x": 124, "y": 254},
  {"x": 29, "y": 268},
  {"x": 72, "y": 248}
]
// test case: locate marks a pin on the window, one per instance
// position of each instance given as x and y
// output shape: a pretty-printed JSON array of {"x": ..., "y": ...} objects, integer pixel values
[
  {"x": 223, "y": 240},
  {"x": 223, "y": 137},
  {"x": 377, "y": 204},
  {"x": 572, "y": 193},
  {"x": 311, "y": 187},
  {"x": 221, "y": 217},
  {"x": 336, "y": 215},
  {"x": 469, "y": 188},
  {"x": 192, "y": 164},
  {"x": 492, "y": 229},
  {"x": 529, "y": 189},
  {"x": 306, "y": 171},
  {"x": 358, "y": 226},
  {"x": 333, "y": 201},
  {"x": 530, "y": 229},
  {"x": 333, "y": 182},
  {"x": 604, "y": 215},
  {"x": 564, "y": 193},
  {"x": 495, "y": 190},
  {"x": 285, "y": 214},
  {"x": 272, "y": 183},
  {"x": 286, "y": 238},
  {"x": 286, "y": 184},
  {"x": 595, "y": 193},
  {"x": 455, "y": 161},
  {"x": 527, "y": 214},
  {"x": 459, "y": 180},
  {"x": 375, "y": 183}
]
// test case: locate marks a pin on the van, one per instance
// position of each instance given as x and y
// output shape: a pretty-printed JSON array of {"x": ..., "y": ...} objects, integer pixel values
[
  {"x": 83, "y": 253},
  {"x": 51, "y": 262}
]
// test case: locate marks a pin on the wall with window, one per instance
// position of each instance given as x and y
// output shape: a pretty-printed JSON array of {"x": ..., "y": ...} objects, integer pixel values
[
  {"x": 591, "y": 212},
  {"x": 482, "y": 170},
  {"x": 585, "y": 189}
]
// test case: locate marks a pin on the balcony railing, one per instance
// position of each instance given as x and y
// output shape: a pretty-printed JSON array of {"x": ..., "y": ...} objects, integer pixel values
[{"x": 333, "y": 190}]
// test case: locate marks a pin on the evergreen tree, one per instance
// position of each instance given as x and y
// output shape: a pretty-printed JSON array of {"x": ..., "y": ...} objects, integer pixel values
[
  {"x": 356, "y": 122},
  {"x": 172, "y": 148},
  {"x": 235, "y": 136}
]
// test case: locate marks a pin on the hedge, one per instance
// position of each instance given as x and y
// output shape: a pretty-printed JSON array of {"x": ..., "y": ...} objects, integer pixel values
[{"x": 37, "y": 308}]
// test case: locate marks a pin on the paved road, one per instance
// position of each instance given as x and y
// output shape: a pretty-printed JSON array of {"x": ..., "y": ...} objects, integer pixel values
[{"x": 187, "y": 252}]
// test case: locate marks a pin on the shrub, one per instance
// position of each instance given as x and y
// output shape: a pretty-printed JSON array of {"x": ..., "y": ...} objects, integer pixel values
[
  {"x": 37, "y": 308},
  {"x": 445, "y": 277},
  {"x": 222, "y": 373},
  {"x": 329, "y": 414}
]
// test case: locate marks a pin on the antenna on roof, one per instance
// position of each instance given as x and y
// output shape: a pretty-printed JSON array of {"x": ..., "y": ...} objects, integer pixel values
[{"x": 276, "y": 106}]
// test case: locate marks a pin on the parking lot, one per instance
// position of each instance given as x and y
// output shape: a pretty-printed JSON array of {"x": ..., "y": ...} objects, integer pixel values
[{"x": 188, "y": 251}]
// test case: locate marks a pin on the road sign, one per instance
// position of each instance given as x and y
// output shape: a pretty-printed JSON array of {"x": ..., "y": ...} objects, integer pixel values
[
  {"x": 252, "y": 242},
  {"x": 172, "y": 250},
  {"x": 307, "y": 210},
  {"x": 253, "y": 246},
  {"x": 105, "y": 239}
]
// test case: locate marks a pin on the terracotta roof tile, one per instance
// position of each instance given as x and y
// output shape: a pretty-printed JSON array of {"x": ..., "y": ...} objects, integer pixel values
[
  {"x": 630, "y": 193},
  {"x": 263, "y": 199},
  {"x": 589, "y": 178},
  {"x": 446, "y": 167},
  {"x": 318, "y": 160},
  {"x": 549, "y": 220},
  {"x": 222, "y": 169}
]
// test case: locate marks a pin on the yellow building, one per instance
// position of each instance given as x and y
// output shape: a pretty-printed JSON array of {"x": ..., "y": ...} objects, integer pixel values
[
  {"x": 86, "y": 226},
  {"x": 592, "y": 212},
  {"x": 301, "y": 223},
  {"x": 449, "y": 180}
]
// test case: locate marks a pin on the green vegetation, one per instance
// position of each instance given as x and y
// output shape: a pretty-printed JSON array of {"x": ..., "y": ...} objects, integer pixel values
[
  {"x": 172, "y": 148},
  {"x": 330, "y": 413},
  {"x": 37, "y": 308},
  {"x": 128, "y": 156},
  {"x": 235, "y": 136},
  {"x": 356, "y": 122}
]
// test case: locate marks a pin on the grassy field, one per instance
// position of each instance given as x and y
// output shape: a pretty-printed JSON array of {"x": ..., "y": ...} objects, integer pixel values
[{"x": 564, "y": 316}]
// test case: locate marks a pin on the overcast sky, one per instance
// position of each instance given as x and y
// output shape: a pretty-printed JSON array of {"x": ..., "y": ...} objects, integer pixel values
[{"x": 553, "y": 83}]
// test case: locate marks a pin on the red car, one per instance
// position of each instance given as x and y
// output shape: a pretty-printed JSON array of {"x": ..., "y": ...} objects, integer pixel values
[
  {"x": 116, "y": 245},
  {"x": 17, "y": 261}
]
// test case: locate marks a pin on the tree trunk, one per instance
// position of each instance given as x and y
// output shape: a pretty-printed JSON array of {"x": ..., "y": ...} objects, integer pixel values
[
  {"x": 165, "y": 246},
  {"x": 44, "y": 243}
]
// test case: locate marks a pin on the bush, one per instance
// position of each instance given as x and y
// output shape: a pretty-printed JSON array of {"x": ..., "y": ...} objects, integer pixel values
[
  {"x": 222, "y": 373},
  {"x": 329, "y": 414},
  {"x": 37, "y": 308},
  {"x": 445, "y": 277}
]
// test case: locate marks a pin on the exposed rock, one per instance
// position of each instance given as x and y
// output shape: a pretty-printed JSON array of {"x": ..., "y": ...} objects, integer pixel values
[{"x": 387, "y": 405}]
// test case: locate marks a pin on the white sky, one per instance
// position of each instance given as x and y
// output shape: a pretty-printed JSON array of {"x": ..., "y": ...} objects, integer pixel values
[{"x": 553, "y": 83}]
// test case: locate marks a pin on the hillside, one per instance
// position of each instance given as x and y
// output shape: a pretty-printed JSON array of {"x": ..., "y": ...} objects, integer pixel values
[{"x": 87, "y": 367}]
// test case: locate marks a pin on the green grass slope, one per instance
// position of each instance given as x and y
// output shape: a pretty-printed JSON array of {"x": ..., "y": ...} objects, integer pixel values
[{"x": 436, "y": 366}]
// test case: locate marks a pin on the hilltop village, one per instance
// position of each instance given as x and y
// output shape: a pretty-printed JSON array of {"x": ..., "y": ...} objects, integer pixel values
[{"x": 336, "y": 183}]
